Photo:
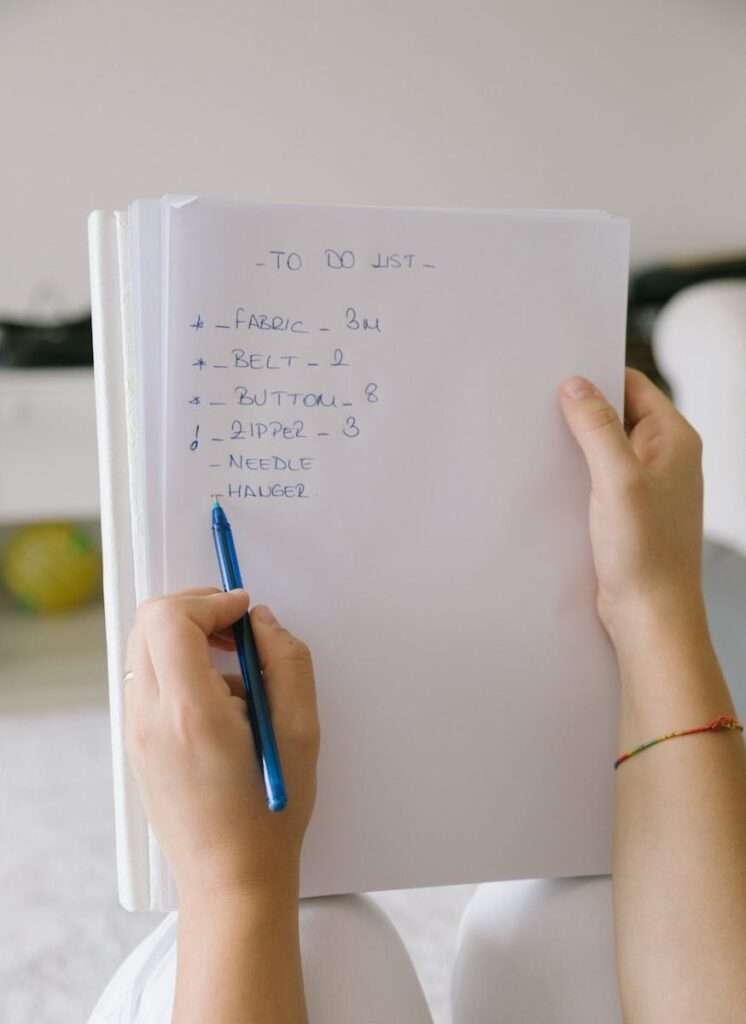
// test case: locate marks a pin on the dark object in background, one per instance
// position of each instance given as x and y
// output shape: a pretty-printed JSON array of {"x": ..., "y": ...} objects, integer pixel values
[
  {"x": 70, "y": 343},
  {"x": 655, "y": 286},
  {"x": 44, "y": 344},
  {"x": 650, "y": 290}
]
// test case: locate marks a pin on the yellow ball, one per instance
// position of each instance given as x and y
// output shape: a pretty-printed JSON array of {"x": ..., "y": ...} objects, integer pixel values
[{"x": 51, "y": 567}]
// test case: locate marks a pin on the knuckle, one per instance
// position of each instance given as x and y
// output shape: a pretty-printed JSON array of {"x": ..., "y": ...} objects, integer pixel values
[
  {"x": 300, "y": 650},
  {"x": 694, "y": 440},
  {"x": 238, "y": 704},
  {"x": 632, "y": 484},
  {"x": 598, "y": 417},
  {"x": 686, "y": 441},
  {"x": 292, "y": 649},
  {"x": 303, "y": 732},
  {"x": 682, "y": 425},
  {"x": 188, "y": 721}
]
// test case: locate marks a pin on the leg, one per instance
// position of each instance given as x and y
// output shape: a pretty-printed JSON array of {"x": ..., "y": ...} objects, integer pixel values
[
  {"x": 535, "y": 951},
  {"x": 355, "y": 967}
]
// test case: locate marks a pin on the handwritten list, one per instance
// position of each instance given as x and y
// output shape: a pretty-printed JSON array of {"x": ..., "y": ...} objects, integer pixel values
[
  {"x": 371, "y": 393},
  {"x": 266, "y": 381}
]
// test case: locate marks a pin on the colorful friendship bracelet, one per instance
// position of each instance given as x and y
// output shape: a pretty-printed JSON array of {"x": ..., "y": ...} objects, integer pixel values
[{"x": 724, "y": 722}]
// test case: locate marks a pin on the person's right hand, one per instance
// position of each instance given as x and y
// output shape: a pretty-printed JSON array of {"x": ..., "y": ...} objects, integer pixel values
[
  {"x": 191, "y": 749},
  {"x": 646, "y": 501}
]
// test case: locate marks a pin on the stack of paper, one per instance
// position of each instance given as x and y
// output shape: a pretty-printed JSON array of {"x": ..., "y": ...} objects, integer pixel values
[{"x": 373, "y": 395}]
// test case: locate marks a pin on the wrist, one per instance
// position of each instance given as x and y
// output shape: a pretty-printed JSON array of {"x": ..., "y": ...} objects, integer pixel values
[
  {"x": 239, "y": 947},
  {"x": 662, "y": 619},
  {"x": 204, "y": 890},
  {"x": 669, "y": 671},
  {"x": 241, "y": 903}
]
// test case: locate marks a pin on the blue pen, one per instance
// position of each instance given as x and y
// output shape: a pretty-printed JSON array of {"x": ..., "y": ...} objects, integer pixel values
[{"x": 256, "y": 700}]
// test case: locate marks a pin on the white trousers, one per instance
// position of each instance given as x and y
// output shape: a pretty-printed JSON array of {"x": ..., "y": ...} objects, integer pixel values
[{"x": 529, "y": 952}]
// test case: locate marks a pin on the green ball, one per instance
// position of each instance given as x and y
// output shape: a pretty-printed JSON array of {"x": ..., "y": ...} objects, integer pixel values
[{"x": 51, "y": 567}]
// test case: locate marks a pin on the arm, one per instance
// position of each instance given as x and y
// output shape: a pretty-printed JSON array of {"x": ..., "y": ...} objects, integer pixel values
[
  {"x": 239, "y": 960},
  {"x": 236, "y": 865},
  {"x": 680, "y": 835}
]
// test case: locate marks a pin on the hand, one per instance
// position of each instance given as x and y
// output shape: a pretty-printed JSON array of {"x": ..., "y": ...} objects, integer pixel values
[
  {"x": 646, "y": 501},
  {"x": 191, "y": 750}
]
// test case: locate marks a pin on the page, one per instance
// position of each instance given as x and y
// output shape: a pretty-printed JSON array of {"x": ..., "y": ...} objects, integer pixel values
[
  {"x": 143, "y": 360},
  {"x": 372, "y": 394}
]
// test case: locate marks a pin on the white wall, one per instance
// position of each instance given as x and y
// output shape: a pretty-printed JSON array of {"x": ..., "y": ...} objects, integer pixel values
[{"x": 635, "y": 106}]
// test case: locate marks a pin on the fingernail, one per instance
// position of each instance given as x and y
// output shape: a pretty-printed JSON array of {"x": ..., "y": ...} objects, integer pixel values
[
  {"x": 265, "y": 615},
  {"x": 578, "y": 387},
  {"x": 239, "y": 590}
]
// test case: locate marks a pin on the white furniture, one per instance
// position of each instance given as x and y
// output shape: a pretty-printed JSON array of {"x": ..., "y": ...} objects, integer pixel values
[
  {"x": 700, "y": 346},
  {"x": 48, "y": 439}
]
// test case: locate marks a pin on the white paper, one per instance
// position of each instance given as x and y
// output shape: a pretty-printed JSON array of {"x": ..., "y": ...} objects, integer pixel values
[{"x": 422, "y": 524}]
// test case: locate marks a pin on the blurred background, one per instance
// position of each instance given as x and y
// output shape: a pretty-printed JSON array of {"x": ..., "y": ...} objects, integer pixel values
[{"x": 635, "y": 108}]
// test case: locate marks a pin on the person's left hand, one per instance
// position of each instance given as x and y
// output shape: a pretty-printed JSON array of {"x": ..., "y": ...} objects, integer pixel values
[{"x": 192, "y": 752}]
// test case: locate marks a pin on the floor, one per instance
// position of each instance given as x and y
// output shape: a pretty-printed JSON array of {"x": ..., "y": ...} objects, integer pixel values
[{"x": 62, "y": 932}]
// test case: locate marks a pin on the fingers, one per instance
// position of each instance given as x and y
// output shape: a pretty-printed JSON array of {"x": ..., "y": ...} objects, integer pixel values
[
  {"x": 169, "y": 651},
  {"x": 223, "y": 641},
  {"x": 139, "y": 668},
  {"x": 175, "y": 631},
  {"x": 215, "y": 611},
  {"x": 658, "y": 431},
  {"x": 288, "y": 677},
  {"x": 642, "y": 398},
  {"x": 140, "y": 689},
  {"x": 234, "y": 682},
  {"x": 197, "y": 592},
  {"x": 598, "y": 430}
]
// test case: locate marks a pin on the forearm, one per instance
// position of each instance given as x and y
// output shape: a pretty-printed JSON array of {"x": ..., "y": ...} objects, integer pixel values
[
  {"x": 680, "y": 837},
  {"x": 238, "y": 961}
]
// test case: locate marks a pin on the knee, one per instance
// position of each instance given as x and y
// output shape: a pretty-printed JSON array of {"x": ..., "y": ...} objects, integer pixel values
[
  {"x": 527, "y": 915},
  {"x": 355, "y": 927},
  {"x": 355, "y": 964},
  {"x": 340, "y": 918},
  {"x": 527, "y": 945}
]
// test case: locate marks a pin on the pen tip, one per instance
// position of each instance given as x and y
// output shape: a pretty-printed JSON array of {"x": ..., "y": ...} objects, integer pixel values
[{"x": 215, "y": 503}]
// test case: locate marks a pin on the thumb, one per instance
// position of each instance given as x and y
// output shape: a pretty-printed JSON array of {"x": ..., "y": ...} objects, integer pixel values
[
  {"x": 596, "y": 427},
  {"x": 215, "y": 611},
  {"x": 288, "y": 675}
]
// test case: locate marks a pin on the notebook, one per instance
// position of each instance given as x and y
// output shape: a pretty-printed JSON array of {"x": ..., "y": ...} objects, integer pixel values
[{"x": 372, "y": 394}]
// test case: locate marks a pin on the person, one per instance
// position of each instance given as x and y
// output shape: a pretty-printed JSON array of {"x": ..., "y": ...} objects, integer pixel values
[{"x": 243, "y": 940}]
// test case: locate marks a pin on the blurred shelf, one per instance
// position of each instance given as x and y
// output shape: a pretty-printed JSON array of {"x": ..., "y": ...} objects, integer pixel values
[{"x": 48, "y": 430}]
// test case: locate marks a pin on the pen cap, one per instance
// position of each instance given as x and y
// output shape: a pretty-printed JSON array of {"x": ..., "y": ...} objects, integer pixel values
[{"x": 225, "y": 549}]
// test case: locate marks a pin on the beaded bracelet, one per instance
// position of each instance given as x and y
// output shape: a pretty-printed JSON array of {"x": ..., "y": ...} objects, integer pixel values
[{"x": 724, "y": 722}]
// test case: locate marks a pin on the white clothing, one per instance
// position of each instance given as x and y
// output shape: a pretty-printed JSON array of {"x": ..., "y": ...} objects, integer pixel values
[{"x": 529, "y": 952}]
